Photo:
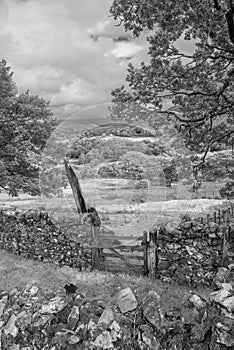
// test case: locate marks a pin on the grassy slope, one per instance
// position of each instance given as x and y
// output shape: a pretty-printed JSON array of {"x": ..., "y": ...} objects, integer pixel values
[{"x": 17, "y": 272}]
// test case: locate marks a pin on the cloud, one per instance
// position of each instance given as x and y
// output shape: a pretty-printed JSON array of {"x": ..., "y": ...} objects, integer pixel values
[
  {"x": 126, "y": 49},
  {"x": 69, "y": 52}
]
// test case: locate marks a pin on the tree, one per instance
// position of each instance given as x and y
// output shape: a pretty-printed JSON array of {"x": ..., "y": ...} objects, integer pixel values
[
  {"x": 26, "y": 124},
  {"x": 195, "y": 90}
]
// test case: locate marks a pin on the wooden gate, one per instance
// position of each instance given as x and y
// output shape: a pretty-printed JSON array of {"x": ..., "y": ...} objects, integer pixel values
[{"x": 126, "y": 254}]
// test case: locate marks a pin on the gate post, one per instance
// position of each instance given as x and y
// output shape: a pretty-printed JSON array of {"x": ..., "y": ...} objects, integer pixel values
[
  {"x": 153, "y": 254},
  {"x": 96, "y": 252},
  {"x": 145, "y": 253}
]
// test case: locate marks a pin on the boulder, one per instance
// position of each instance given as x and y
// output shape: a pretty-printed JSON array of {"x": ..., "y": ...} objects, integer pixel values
[
  {"x": 106, "y": 318},
  {"x": 152, "y": 310},
  {"x": 126, "y": 300}
]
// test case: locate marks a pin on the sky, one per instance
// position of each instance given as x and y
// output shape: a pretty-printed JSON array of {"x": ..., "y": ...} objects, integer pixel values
[{"x": 68, "y": 51}]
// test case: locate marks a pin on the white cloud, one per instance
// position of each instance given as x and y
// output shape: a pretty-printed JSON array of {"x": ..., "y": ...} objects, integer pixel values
[
  {"x": 126, "y": 49},
  {"x": 49, "y": 47}
]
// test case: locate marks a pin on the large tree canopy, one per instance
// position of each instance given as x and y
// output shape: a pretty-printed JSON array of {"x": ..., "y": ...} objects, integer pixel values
[
  {"x": 26, "y": 124},
  {"x": 195, "y": 89}
]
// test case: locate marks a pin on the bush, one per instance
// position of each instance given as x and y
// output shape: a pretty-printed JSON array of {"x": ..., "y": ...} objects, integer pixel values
[{"x": 228, "y": 190}]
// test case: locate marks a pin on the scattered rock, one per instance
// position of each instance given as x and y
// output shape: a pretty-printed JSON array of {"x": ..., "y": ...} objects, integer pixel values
[
  {"x": 220, "y": 296},
  {"x": 200, "y": 324},
  {"x": 10, "y": 327},
  {"x": 55, "y": 305},
  {"x": 152, "y": 310},
  {"x": 151, "y": 341},
  {"x": 104, "y": 341},
  {"x": 197, "y": 301},
  {"x": 106, "y": 318},
  {"x": 225, "y": 334},
  {"x": 126, "y": 300},
  {"x": 3, "y": 303},
  {"x": 73, "y": 317},
  {"x": 229, "y": 303}
]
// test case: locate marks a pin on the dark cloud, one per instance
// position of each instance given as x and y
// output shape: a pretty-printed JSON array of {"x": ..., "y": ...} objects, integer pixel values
[{"x": 121, "y": 38}]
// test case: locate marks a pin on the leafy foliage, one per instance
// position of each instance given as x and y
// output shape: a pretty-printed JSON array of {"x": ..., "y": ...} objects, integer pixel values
[
  {"x": 26, "y": 124},
  {"x": 218, "y": 166},
  {"x": 228, "y": 190},
  {"x": 195, "y": 89}
]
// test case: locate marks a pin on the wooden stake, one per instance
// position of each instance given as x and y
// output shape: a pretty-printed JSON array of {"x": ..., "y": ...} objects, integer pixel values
[
  {"x": 215, "y": 218},
  {"x": 145, "y": 245},
  {"x": 76, "y": 188}
]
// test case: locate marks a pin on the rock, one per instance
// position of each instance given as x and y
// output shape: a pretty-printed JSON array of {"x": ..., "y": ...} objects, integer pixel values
[
  {"x": 10, "y": 327},
  {"x": 197, "y": 301},
  {"x": 55, "y": 305},
  {"x": 152, "y": 310},
  {"x": 115, "y": 331},
  {"x": 14, "y": 347},
  {"x": 104, "y": 341},
  {"x": 220, "y": 296},
  {"x": 172, "y": 229},
  {"x": 106, "y": 318},
  {"x": 91, "y": 326},
  {"x": 31, "y": 214},
  {"x": 123, "y": 321},
  {"x": 225, "y": 334},
  {"x": 73, "y": 339},
  {"x": 191, "y": 251},
  {"x": 187, "y": 316},
  {"x": 73, "y": 317},
  {"x": 229, "y": 304},
  {"x": 84, "y": 315},
  {"x": 150, "y": 340},
  {"x": 40, "y": 320},
  {"x": 3, "y": 303},
  {"x": 222, "y": 275},
  {"x": 23, "y": 320},
  {"x": 33, "y": 290},
  {"x": 126, "y": 300},
  {"x": 231, "y": 267},
  {"x": 226, "y": 286}
]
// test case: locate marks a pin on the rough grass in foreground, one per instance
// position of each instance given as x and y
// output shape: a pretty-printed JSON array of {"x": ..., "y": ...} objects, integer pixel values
[{"x": 18, "y": 272}]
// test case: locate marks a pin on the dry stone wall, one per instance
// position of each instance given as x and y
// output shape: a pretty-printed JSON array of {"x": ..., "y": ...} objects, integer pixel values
[
  {"x": 33, "y": 235},
  {"x": 193, "y": 251}
]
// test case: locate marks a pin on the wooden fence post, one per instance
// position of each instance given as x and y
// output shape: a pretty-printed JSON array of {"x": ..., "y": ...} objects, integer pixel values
[
  {"x": 145, "y": 253},
  {"x": 96, "y": 252},
  {"x": 76, "y": 188},
  {"x": 215, "y": 217},
  {"x": 224, "y": 217},
  {"x": 153, "y": 254}
]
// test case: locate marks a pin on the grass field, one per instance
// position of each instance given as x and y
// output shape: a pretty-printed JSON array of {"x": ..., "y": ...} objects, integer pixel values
[{"x": 112, "y": 199}]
